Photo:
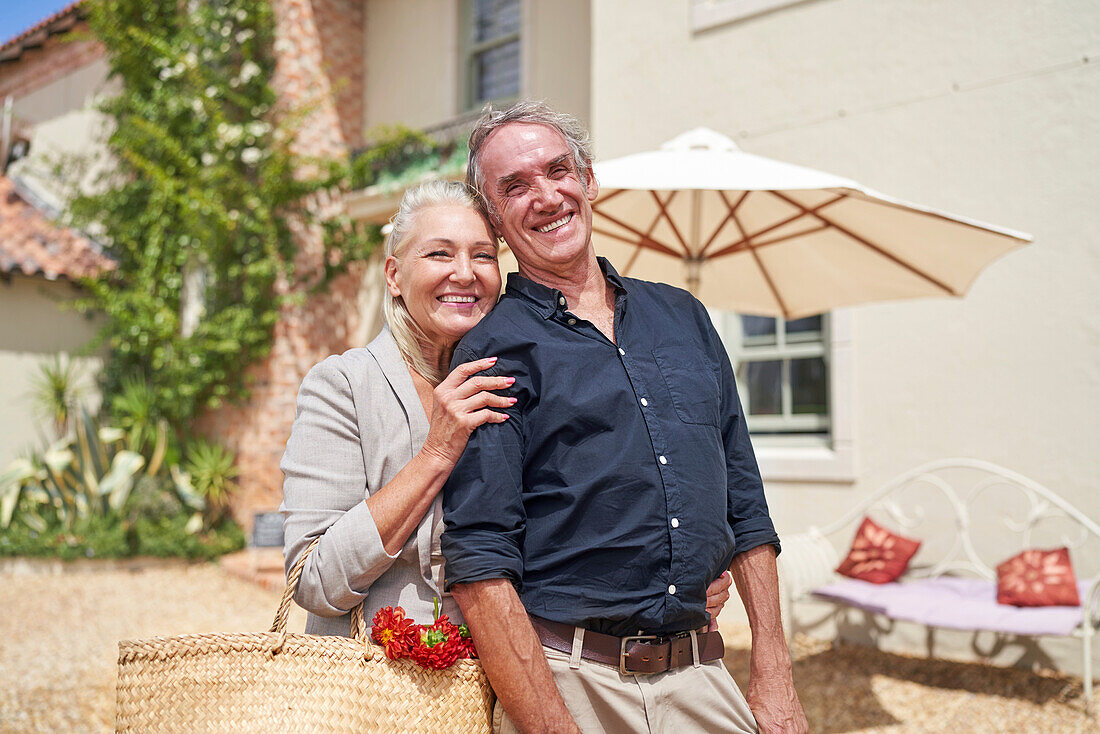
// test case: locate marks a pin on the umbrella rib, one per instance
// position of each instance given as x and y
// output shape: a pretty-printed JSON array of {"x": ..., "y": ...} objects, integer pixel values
[
  {"x": 743, "y": 242},
  {"x": 643, "y": 238},
  {"x": 664, "y": 211},
  {"x": 644, "y": 242},
  {"x": 760, "y": 264},
  {"x": 608, "y": 197},
  {"x": 889, "y": 256},
  {"x": 653, "y": 225},
  {"x": 729, "y": 217},
  {"x": 784, "y": 238},
  {"x": 633, "y": 259}
]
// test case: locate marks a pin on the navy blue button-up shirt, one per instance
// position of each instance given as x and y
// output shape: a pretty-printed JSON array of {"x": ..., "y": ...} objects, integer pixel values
[{"x": 623, "y": 482}]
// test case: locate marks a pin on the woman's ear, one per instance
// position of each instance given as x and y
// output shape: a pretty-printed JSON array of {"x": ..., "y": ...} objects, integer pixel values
[{"x": 390, "y": 267}]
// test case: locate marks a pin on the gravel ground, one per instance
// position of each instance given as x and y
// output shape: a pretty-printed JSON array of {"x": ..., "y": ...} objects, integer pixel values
[{"x": 59, "y": 636}]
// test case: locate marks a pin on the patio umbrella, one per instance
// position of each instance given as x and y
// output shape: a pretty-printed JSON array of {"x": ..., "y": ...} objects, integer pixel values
[{"x": 759, "y": 236}]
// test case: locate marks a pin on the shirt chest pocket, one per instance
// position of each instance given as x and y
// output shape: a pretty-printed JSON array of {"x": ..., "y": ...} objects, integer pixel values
[{"x": 689, "y": 376}]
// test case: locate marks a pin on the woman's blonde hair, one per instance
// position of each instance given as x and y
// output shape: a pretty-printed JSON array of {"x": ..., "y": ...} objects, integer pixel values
[{"x": 406, "y": 332}]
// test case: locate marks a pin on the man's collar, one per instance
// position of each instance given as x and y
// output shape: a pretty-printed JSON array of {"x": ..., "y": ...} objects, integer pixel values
[{"x": 548, "y": 301}]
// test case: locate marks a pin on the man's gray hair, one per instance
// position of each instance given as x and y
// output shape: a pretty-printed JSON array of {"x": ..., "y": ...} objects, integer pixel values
[
  {"x": 532, "y": 112},
  {"x": 406, "y": 332}
]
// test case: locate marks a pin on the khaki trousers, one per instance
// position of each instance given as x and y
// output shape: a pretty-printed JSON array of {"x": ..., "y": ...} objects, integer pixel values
[{"x": 681, "y": 701}]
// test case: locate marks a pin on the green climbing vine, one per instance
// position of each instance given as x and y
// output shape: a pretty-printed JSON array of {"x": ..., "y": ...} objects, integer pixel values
[{"x": 197, "y": 208}]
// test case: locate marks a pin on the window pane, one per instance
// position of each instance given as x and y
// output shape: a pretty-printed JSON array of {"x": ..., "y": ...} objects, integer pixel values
[
  {"x": 495, "y": 18},
  {"x": 808, "y": 386},
  {"x": 497, "y": 72},
  {"x": 804, "y": 330},
  {"x": 757, "y": 330},
  {"x": 763, "y": 382}
]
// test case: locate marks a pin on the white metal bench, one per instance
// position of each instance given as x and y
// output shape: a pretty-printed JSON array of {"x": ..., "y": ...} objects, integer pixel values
[{"x": 970, "y": 515}]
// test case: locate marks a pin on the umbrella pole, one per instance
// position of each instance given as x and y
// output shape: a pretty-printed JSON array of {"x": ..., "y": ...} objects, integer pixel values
[
  {"x": 695, "y": 261},
  {"x": 694, "y": 264}
]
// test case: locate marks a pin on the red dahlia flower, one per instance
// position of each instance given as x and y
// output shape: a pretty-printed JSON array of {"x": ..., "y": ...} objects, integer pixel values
[
  {"x": 393, "y": 631},
  {"x": 440, "y": 646},
  {"x": 467, "y": 641}
]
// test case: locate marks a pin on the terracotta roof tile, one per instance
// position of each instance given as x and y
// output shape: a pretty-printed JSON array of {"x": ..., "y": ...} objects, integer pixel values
[
  {"x": 31, "y": 244},
  {"x": 61, "y": 21}
]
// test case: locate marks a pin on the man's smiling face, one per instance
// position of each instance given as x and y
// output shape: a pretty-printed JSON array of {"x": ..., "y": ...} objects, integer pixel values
[{"x": 540, "y": 206}]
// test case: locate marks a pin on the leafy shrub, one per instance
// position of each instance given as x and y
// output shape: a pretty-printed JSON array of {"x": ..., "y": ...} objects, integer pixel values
[
  {"x": 90, "y": 537},
  {"x": 170, "y": 537},
  {"x": 152, "y": 498},
  {"x": 110, "y": 537}
]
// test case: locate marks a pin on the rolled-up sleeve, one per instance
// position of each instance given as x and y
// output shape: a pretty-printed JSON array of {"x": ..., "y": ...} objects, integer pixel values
[
  {"x": 482, "y": 500},
  {"x": 324, "y": 495},
  {"x": 747, "y": 509}
]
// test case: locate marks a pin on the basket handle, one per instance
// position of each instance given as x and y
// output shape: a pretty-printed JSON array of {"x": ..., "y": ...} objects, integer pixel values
[{"x": 358, "y": 624}]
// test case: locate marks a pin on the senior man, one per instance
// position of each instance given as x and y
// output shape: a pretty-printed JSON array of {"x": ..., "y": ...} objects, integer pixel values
[{"x": 582, "y": 532}]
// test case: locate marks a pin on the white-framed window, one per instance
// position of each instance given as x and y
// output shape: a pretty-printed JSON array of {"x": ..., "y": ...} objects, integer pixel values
[
  {"x": 706, "y": 14},
  {"x": 492, "y": 50},
  {"x": 782, "y": 369},
  {"x": 795, "y": 381}
]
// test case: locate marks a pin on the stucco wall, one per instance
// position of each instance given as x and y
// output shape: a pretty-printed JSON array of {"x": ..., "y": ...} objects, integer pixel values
[
  {"x": 982, "y": 108},
  {"x": 414, "y": 67},
  {"x": 72, "y": 90},
  {"x": 34, "y": 327},
  {"x": 58, "y": 57},
  {"x": 54, "y": 90},
  {"x": 557, "y": 64}
]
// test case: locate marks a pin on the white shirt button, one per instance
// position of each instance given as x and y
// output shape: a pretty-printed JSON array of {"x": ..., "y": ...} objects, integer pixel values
[
  {"x": 675, "y": 522},
  {"x": 561, "y": 300},
  {"x": 622, "y": 352},
  {"x": 644, "y": 402},
  {"x": 672, "y": 588},
  {"x": 662, "y": 459},
  {"x": 571, "y": 322}
]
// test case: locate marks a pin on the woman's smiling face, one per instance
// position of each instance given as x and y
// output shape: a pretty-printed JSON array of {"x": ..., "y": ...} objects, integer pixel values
[{"x": 446, "y": 272}]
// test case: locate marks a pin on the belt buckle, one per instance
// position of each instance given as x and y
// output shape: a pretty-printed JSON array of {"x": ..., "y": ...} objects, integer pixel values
[{"x": 622, "y": 652}]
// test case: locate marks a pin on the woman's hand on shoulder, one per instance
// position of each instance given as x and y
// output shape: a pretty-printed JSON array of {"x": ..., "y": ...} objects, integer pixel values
[{"x": 462, "y": 403}]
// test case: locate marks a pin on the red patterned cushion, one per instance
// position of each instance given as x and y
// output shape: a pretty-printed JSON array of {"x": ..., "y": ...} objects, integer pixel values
[
  {"x": 877, "y": 555},
  {"x": 1038, "y": 578}
]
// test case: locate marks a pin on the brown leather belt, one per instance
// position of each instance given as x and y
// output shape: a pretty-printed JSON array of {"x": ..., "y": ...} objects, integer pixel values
[{"x": 634, "y": 654}]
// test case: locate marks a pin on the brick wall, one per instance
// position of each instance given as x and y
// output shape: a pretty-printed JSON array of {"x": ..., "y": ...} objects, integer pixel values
[
  {"x": 59, "y": 55},
  {"x": 341, "y": 27},
  {"x": 320, "y": 67},
  {"x": 319, "y": 46}
]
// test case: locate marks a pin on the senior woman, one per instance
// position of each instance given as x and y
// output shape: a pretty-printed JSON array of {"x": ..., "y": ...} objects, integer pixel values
[{"x": 364, "y": 464}]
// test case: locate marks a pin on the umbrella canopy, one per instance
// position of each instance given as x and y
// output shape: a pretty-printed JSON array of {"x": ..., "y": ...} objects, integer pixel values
[{"x": 760, "y": 236}]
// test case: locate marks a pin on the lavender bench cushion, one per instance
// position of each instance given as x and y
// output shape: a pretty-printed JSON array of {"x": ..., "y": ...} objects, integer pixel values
[{"x": 955, "y": 603}]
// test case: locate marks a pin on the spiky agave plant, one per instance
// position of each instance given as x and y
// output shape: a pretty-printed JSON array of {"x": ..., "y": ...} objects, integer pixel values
[
  {"x": 56, "y": 389},
  {"x": 211, "y": 468}
]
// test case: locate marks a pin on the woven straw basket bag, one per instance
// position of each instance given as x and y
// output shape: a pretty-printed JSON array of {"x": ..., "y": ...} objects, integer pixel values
[{"x": 277, "y": 681}]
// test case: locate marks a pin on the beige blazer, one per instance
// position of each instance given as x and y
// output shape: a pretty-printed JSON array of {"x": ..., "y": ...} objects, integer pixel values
[{"x": 358, "y": 422}]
